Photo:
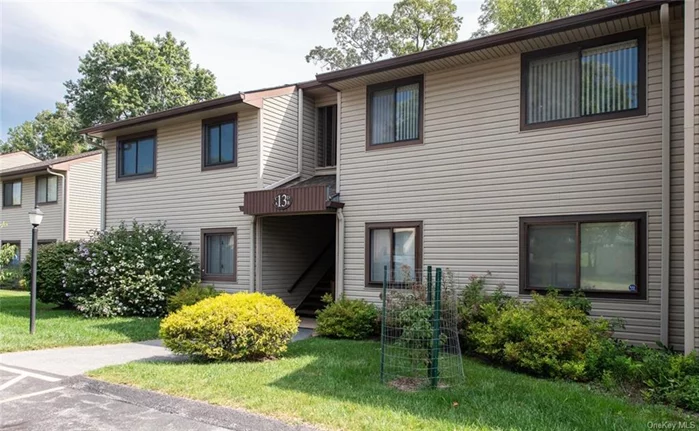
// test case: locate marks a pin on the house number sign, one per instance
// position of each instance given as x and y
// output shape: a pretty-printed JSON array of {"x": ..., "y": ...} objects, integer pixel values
[{"x": 282, "y": 201}]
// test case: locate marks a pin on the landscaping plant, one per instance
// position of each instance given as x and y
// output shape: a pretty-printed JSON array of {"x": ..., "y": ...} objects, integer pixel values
[
  {"x": 50, "y": 272},
  {"x": 129, "y": 271},
  {"x": 9, "y": 275},
  {"x": 355, "y": 319},
  {"x": 241, "y": 326},
  {"x": 190, "y": 295}
]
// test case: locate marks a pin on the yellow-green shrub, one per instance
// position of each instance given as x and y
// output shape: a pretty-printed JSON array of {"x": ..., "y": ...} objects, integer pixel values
[{"x": 231, "y": 327}]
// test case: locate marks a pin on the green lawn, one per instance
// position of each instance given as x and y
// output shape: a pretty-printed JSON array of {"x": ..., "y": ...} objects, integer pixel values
[
  {"x": 57, "y": 328},
  {"x": 335, "y": 384}
]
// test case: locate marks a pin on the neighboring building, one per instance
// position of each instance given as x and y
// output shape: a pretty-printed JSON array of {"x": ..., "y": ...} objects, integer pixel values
[
  {"x": 561, "y": 154},
  {"x": 66, "y": 189}
]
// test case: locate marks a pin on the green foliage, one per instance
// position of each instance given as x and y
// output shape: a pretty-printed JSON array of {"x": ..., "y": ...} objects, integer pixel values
[
  {"x": 413, "y": 26},
  {"x": 498, "y": 16},
  {"x": 470, "y": 307},
  {"x": 137, "y": 77},
  {"x": 50, "y": 272},
  {"x": 231, "y": 327},
  {"x": 546, "y": 337},
  {"x": 190, "y": 295},
  {"x": 50, "y": 134},
  {"x": 668, "y": 377},
  {"x": 129, "y": 271},
  {"x": 355, "y": 319},
  {"x": 9, "y": 275}
]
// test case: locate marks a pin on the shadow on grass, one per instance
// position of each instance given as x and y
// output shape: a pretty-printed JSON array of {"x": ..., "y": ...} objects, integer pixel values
[{"x": 489, "y": 397}]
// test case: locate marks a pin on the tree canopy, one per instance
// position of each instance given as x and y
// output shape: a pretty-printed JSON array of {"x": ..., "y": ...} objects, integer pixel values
[
  {"x": 503, "y": 15},
  {"x": 135, "y": 78},
  {"x": 50, "y": 134},
  {"x": 413, "y": 26}
]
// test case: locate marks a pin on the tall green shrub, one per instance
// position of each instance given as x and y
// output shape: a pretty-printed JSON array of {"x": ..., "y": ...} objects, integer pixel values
[
  {"x": 347, "y": 318},
  {"x": 129, "y": 270},
  {"x": 50, "y": 272}
]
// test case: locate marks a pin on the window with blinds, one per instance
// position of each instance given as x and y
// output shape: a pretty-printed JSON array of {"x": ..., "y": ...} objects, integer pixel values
[
  {"x": 394, "y": 112},
  {"x": 593, "y": 80}
]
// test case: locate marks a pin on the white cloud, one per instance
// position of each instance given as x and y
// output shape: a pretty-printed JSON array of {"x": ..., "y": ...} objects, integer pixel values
[{"x": 247, "y": 45}]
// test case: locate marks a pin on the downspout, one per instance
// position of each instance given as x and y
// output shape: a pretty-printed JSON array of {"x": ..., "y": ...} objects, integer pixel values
[
  {"x": 64, "y": 197},
  {"x": 299, "y": 149},
  {"x": 340, "y": 261},
  {"x": 338, "y": 145},
  {"x": 253, "y": 237},
  {"x": 665, "y": 184},
  {"x": 689, "y": 76}
]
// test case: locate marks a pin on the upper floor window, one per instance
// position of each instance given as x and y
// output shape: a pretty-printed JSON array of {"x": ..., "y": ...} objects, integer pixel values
[
  {"x": 592, "y": 80},
  {"x": 136, "y": 156},
  {"x": 394, "y": 113},
  {"x": 327, "y": 136},
  {"x": 46, "y": 189},
  {"x": 601, "y": 254},
  {"x": 219, "y": 141},
  {"x": 12, "y": 193}
]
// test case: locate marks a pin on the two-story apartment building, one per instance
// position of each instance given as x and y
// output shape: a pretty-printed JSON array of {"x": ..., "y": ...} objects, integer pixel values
[
  {"x": 66, "y": 189},
  {"x": 561, "y": 154}
]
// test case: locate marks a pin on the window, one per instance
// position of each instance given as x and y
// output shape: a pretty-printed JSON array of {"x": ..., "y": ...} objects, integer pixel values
[
  {"x": 16, "y": 258},
  {"x": 218, "y": 254},
  {"x": 219, "y": 144},
  {"x": 12, "y": 193},
  {"x": 602, "y": 254},
  {"x": 592, "y": 80},
  {"x": 394, "y": 113},
  {"x": 327, "y": 136},
  {"x": 46, "y": 189},
  {"x": 396, "y": 246},
  {"x": 136, "y": 156}
]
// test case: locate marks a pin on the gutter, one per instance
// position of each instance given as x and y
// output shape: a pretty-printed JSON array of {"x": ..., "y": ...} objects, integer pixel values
[
  {"x": 340, "y": 262},
  {"x": 64, "y": 196},
  {"x": 665, "y": 183},
  {"x": 689, "y": 264}
]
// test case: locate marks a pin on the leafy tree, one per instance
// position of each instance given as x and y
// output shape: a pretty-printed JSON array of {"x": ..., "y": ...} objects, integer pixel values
[
  {"x": 503, "y": 15},
  {"x": 135, "y": 78},
  {"x": 413, "y": 26},
  {"x": 50, "y": 134}
]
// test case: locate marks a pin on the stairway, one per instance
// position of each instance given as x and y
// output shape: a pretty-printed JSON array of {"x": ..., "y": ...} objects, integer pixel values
[{"x": 312, "y": 301}]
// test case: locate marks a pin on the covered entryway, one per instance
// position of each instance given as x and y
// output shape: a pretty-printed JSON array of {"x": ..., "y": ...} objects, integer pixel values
[{"x": 295, "y": 241}]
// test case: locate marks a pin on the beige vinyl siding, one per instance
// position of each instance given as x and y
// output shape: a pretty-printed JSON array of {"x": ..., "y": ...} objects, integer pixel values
[
  {"x": 279, "y": 138},
  {"x": 476, "y": 174},
  {"x": 187, "y": 198},
  {"x": 12, "y": 160},
  {"x": 84, "y": 203},
  {"x": 289, "y": 245},
  {"x": 325, "y": 100},
  {"x": 17, "y": 218},
  {"x": 309, "y": 137}
]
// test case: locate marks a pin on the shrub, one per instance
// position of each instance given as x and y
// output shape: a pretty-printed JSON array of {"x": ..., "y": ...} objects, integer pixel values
[
  {"x": 190, "y": 295},
  {"x": 9, "y": 274},
  {"x": 50, "y": 272},
  {"x": 668, "y": 377},
  {"x": 231, "y": 327},
  {"x": 471, "y": 303},
  {"x": 120, "y": 271},
  {"x": 546, "y": 337},
  {"x": 347, "y": 318}
]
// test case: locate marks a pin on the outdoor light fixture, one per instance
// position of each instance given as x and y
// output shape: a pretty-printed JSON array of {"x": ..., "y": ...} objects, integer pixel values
[{"x": 35, "y": 218}]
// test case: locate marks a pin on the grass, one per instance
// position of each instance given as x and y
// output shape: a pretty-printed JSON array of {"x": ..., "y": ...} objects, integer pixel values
[
  {"x": 58, "y": 328},
  {"x": 335, "y": 384}
]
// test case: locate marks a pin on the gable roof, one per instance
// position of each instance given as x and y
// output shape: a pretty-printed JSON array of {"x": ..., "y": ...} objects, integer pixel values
[
  {"x": 42, "y": 165},
  {"x": 631, "y": 8}
]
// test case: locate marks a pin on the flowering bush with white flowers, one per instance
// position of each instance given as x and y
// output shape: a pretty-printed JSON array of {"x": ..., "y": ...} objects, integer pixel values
[{"x": 129, "y": 270}]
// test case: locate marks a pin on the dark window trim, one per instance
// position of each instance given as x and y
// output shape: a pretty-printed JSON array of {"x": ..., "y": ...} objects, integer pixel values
[
  {"x": 214, "y": 121},
  {"x": 333, "y": 149},
  {"x": 36, "y": 190},
  {"x": 46, "y": 241},
  {"x": 20, "y": 194},
  {"x": 370, "y": 89},
  {"x": 641, "y": 250},
  {"x": 120, "y": 141},
  {"x": 418, "y": 225},
  {"x": 526, "y": 58},
  {"x": 202, "y": 253},
  {"x": 18, "y": 244}
]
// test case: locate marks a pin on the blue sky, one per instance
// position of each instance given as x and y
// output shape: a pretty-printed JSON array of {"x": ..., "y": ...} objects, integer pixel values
[{"x": 247, "y": 45}]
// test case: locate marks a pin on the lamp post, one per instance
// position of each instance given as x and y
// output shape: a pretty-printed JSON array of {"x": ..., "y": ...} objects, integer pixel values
[{"x": 35, "y": 217}]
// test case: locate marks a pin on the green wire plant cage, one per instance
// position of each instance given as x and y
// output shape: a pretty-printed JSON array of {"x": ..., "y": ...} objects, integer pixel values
[{"x": 419, "y": 331}]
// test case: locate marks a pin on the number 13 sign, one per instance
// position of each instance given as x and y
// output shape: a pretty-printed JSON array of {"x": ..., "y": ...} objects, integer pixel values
[{"x": 282, "y": 201}]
